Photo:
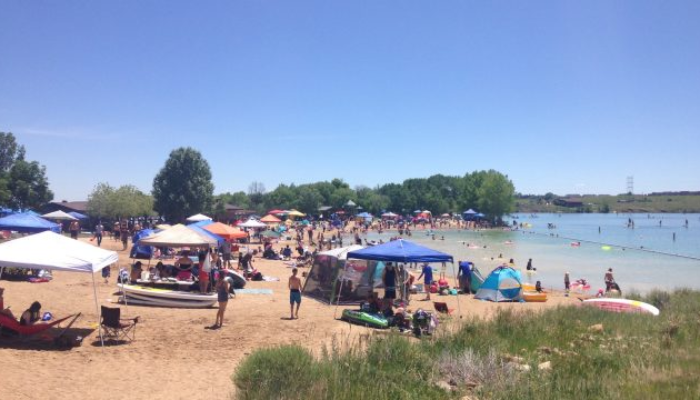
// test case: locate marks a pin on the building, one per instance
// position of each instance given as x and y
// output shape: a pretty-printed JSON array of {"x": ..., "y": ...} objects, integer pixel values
[{"x": 65, "y": 206}]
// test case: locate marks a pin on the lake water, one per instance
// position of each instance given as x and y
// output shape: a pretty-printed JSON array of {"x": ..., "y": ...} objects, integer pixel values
[{"x": 642, "y": 258}]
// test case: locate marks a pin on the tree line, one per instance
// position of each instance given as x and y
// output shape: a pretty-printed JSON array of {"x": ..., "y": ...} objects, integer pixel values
[{"x": 184, "y": 187}]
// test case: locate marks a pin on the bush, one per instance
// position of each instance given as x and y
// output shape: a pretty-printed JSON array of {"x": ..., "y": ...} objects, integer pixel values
[{"x": 276, "y": 373}]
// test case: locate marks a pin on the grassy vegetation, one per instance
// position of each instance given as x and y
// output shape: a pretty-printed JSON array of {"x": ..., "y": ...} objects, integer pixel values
[
  {"x": 621, "y": 203},
  {"x": 631, "y": 357}
]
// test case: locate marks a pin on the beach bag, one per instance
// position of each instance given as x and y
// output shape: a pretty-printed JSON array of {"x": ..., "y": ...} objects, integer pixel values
[{"x": 433, "y": 288}]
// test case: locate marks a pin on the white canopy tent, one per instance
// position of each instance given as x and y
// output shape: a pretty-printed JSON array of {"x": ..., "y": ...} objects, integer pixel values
[
  {"x": 198, "y": 217},
  {"x": 178, "y": 236},
  {"x": 252, "y": 223},
  {"x": 59, "y": 216},
  {"x": 56, "y": 253}
]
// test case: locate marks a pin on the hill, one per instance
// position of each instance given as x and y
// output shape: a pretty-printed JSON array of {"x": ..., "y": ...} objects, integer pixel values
[{"x": 652, "y": 203}]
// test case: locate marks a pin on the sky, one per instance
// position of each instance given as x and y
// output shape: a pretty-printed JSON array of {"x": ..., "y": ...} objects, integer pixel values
[{"x": 561, "y": 96}]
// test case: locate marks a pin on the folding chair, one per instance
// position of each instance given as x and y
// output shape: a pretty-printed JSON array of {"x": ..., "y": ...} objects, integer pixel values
[
  {"x": 113, "y": 327},
  {"x": 441, "y": 307}
]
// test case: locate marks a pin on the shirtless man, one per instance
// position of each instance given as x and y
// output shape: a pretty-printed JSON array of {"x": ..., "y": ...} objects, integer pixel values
[{"x": 294, "y": 294}]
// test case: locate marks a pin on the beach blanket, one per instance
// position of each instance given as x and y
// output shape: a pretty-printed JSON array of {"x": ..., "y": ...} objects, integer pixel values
[{"x": 253, "y": 291}]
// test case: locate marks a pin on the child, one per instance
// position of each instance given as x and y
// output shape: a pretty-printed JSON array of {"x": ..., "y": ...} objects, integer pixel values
[{"x": 106, "y": 273}]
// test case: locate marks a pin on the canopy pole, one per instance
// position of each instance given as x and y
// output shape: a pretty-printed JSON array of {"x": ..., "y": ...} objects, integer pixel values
[
  {"x": 459, "y": 304},
  {"x": 97, "y": 309},
  {"x": 2, "y": 269},
  {"x": 337, "y": 301}
]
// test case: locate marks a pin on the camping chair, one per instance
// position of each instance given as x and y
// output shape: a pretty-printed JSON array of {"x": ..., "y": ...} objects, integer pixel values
[
  {"x": 24, "y": 331},
  {"x": 113, "y": 327},
  {"x": 442, "y": 308}
]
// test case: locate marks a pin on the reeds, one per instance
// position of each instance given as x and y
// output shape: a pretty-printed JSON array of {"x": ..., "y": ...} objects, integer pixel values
[{"x": 560, "y": 353}]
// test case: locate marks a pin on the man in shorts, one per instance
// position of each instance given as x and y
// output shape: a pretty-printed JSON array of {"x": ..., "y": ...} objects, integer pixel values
[
  {"x": 427, "y": 272},
  {"x": 294, "y": 294},
  {"x": 226, "y": 253}
]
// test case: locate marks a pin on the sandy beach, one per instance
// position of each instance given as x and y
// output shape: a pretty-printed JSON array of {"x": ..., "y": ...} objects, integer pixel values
[{"x": 174, "y": 356}]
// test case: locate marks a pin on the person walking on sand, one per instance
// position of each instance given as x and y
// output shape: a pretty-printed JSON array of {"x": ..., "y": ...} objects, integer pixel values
[
  {"x": 294, "y": 294},
  {"x": 222, "y": 289},
  {"x": 99, "y": 229},
  {"x": 567, "y": 282}
]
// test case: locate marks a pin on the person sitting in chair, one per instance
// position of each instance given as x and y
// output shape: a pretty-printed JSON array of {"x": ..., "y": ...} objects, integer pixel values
[
  {"x": 136, "y": 270},
  {"x": 31, "y": 315}
]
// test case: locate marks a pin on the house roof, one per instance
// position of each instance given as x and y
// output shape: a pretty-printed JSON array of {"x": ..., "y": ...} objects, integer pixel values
[{"x": 79, "y": 206}]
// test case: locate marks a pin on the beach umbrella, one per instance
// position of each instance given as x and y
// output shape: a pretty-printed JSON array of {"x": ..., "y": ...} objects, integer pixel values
[
  {"x": 163, "y": 226},
  {"x": 295, "y": 213},
  {"x": 445, "y": 215},
  {"x": 426, "y": 212},
  {"x": 389, "y": 215},
  {"x": 350, "y": 203},
  {"x": 59, "y": 216},
  {"x": 305, "y": 222},
  {"x": 417, "y": 211},
  {"x": 198, "y": 217},
  {"x": 470, "y": 211},
  {"x": 277, "y": 212},
  {"x": 270, "y": 219}
]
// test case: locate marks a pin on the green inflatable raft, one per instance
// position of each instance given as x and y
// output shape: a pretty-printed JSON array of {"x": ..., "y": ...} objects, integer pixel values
[{"x": 364, "y": 318}]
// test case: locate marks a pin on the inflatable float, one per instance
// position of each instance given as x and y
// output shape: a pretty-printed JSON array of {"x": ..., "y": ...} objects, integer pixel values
[
  {"x": 622, "y": 305},
  {"x": 534, "y": 297},
  {"x": 364, "y": 318}
]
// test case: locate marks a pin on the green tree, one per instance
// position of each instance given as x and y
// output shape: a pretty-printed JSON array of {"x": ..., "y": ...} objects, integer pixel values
[
  {"x": 28, "y": 185},
  {"x": 495, "y": 195},
  {"x": 10, "y": 151},
  {"x": 183, "y": 186},
  {"x": 126, "y": 201}
]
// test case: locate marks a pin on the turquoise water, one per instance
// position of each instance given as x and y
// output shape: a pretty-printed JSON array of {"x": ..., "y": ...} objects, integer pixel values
[{"x": 663, "y": 263}]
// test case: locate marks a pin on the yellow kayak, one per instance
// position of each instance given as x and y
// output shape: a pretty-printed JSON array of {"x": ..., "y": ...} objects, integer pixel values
[{"x": 535, "y": 297}]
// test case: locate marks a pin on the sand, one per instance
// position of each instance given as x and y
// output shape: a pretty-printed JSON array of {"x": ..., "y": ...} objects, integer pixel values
[{"x": 174, "y": 356}]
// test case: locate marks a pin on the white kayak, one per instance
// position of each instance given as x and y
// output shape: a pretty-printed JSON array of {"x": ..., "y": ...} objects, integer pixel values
[
  {"x": 166, "y": 293},
  {"x": 160, "y": 302}
]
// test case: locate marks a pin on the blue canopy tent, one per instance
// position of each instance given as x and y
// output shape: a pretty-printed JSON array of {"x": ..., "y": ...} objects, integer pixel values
[
  {"x": 403, "y": 251},
  {"x": 469, "y": 215},
  {"x": 141, "y": 252},
  {"x": 27, "y": 223},
  {"x": 201, "y": 224},
  {"x": 78, "y": 215}
]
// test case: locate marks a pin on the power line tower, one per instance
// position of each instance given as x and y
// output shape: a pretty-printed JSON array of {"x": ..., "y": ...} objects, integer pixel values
[{"x": 630, "y": 184}]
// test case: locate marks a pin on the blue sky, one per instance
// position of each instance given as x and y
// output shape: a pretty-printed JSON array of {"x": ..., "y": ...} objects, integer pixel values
[{"x": 562, "y": 96}]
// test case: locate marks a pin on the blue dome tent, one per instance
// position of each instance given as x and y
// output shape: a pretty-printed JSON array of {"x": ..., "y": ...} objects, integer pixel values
[{"x": 502, "y": 284}]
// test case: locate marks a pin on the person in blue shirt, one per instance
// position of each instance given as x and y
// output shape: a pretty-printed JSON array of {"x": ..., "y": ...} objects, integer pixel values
[
  {"x": 465, "y": 274},
  {"x": 427, "y": 272}
]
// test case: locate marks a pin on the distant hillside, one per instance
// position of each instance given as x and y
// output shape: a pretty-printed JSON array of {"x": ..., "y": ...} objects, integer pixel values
[{"x": 666, "y": 202}]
